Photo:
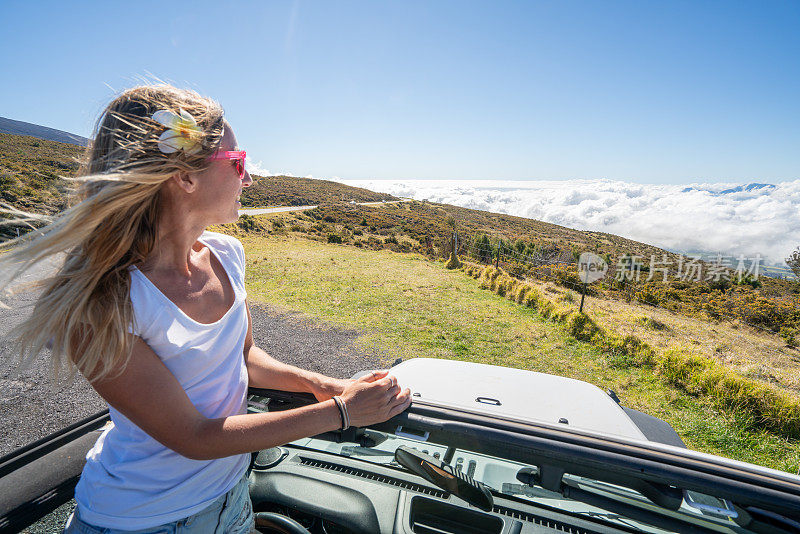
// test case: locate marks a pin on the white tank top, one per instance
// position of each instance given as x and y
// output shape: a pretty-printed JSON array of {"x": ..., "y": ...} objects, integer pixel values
[{"x": 130, "y": 480}]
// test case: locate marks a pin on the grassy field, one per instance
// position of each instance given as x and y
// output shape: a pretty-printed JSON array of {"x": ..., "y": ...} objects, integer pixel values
[{"x": 408, "y": 306}]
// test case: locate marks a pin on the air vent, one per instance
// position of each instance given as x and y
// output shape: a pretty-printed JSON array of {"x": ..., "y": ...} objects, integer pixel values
[
  {"x": 558, "y": 526},
  {"x": 383, "y": 479}
]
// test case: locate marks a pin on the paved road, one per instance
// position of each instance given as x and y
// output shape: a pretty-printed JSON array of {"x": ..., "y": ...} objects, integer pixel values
[{"x": 259, "y": 211}]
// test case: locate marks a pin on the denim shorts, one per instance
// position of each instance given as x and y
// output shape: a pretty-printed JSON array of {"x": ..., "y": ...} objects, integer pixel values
[{"x": 231, "y": 513}]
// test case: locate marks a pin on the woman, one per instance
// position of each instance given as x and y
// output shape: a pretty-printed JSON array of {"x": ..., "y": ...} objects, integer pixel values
[{"x": 152, "y": 309}]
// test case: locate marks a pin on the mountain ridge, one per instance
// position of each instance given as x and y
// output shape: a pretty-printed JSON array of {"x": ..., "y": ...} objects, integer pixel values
[{"x": 15, "y": 127}]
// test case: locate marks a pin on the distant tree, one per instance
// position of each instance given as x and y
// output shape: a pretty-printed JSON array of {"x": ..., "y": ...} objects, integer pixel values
[{"x": 793, "y": 261}]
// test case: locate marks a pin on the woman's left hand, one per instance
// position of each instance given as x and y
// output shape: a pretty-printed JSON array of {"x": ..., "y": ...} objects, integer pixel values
[{"x": 328, "y": 387}]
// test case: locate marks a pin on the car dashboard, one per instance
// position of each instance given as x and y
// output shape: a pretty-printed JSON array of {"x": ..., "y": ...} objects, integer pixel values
[{"x": 332, "y": 494}]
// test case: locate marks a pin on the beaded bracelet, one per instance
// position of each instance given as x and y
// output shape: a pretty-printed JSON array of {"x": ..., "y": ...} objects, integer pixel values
[{"x": 342, "y": 412}]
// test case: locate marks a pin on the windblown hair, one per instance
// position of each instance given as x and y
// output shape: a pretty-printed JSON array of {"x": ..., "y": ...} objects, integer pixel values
[{"x": 84, "y": 313}]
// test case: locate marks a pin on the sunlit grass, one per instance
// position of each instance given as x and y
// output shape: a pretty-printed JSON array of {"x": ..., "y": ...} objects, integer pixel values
[{"x": 407, "y": 306}]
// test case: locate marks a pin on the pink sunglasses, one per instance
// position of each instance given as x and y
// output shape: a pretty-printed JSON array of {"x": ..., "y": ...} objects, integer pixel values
[{"x": 238, "y": 156}]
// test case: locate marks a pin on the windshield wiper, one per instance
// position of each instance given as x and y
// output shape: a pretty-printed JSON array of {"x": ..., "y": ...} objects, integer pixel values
[{"x": 551, "y": 479}]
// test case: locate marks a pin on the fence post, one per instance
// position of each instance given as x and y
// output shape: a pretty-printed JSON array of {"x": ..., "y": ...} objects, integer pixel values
[
  {"x": 497, "y": 258},
  {"x": 583, "y": 296}
]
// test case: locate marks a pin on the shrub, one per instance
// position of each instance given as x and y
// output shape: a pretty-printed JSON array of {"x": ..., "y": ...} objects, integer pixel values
[
  {"x": 471, "y": 269},
  {"x": 581, "y": 327},
  {"x": 488, "y": 276},
  {"x": 249, "y": 223},
  {"x": 453, "y": 262},
  {"x": 789, "y": 335},
  {"x": 500, "y": 285},
  {"x": 719, "y": 285},
  {"x": 567, "y": 276},
  {"x": 648, "y": 296},
  {"x": 520, "y": 293},
  {"x": 334, "y": 238},
  {"x": 531, "y": 298},
  {"x": 475, "y": 271},
  {"x": 546, "y": 308},
  {"x": 483, "y": 249},
  {"x": 652, "y": 324},
  {"x": 512, "y": 286},
  {"x": 503, "y": 284}
]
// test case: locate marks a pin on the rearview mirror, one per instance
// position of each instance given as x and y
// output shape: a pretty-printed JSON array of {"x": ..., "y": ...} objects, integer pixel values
[{"x": 445, "y": 477}]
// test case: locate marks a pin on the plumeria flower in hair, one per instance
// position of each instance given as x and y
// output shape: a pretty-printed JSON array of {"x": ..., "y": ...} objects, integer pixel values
[{"x": 182, "y": 132}]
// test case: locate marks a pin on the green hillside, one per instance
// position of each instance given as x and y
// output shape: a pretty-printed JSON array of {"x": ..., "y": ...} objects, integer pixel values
[
  {"x": 293, "y": 191},
  {"x": 31, "y": 172}
]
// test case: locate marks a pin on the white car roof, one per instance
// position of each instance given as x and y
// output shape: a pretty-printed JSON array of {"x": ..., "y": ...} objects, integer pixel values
[{"x": 515, "y": 393}]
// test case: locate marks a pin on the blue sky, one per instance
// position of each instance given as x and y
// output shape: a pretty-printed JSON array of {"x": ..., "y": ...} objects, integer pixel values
[{"x": 647, "y": 92}]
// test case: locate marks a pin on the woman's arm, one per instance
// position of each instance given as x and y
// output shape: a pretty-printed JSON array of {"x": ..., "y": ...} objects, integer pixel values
[
  {"x": 149, "y": 395},
  {"x": 266, "y": 372}
]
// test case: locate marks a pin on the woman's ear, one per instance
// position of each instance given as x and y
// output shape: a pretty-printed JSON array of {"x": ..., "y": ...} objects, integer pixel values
[{"x": 186, "y": 181}]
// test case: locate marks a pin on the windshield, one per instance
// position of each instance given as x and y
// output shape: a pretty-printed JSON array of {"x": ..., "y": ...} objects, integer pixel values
[{"x": 500, "y": 475}]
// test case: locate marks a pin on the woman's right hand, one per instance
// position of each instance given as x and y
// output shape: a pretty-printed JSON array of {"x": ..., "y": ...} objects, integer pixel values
[{"x": 374, "y": 398}]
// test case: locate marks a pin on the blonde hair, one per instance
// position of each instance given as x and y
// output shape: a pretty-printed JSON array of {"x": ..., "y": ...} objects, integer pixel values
[{"x": 84, "y": 313}]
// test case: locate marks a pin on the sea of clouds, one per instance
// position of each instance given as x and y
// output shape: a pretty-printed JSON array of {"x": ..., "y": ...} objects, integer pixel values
[{"x": 732, "y": 219}]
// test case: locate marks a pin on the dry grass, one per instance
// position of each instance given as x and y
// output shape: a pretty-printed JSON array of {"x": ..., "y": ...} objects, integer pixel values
[{"x": 747, "y": 351}]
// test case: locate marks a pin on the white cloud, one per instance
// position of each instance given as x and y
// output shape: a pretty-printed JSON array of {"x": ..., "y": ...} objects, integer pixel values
[
  {"x": 255, "y": 167},
  {"x": 729, "y": 218}
]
